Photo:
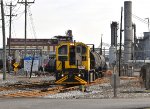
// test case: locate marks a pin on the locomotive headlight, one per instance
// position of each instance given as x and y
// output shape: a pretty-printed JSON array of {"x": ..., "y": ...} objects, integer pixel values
[
  {"x": 62, "y": 75},
  {"x": 72, "y": 44},
  {"x": 79, "y": 75}
]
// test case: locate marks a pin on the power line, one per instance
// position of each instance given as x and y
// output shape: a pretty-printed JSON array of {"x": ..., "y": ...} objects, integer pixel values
[
  {"x": 14, "y": 33},
  {"x": 16, "y": 10},
  {"x": 138, "y": 18},
  {"x": 32, "y": 23}
]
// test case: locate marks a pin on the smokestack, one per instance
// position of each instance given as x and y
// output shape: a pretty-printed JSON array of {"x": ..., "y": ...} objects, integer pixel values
[
  {"x": 69, "y": 33},
  {"x": 114, "y": 28},
  {"x": 128, "y": 34}
]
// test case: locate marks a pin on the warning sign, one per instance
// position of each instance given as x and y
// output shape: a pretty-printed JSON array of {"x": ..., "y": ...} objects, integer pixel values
[{"x": 16, "y": 64}]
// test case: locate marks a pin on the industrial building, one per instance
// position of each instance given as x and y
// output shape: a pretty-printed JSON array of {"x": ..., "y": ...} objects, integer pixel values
[
  {"x": 46, "y": 45},
  {"x": 142, "y": 50}
]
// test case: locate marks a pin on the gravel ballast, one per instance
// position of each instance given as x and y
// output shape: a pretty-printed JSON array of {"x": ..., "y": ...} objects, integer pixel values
[{"x": 127, "y": 89}]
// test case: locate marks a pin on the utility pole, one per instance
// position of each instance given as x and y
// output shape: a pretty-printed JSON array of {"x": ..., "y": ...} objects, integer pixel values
[
  {"x": 120, "y": 43},
  {"x": 4, "y": 45},
  {"x": 26, "y": 4},
  {"x": 101, "y": 45},
  {"x": 135, "y": 41},
  {"x": 10, "y": 21}
]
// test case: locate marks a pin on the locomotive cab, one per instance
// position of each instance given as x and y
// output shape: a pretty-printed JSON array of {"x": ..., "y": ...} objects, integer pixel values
[{"x": 77, "y": 64}]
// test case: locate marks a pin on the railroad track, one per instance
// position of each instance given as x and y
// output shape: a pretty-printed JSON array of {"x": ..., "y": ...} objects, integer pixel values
[
  {"x": 35, "y": 93},
  {"x": 40, "y": 92},
  {"x": 20, "y": 85},
  {"x": 38, "y": 89}
]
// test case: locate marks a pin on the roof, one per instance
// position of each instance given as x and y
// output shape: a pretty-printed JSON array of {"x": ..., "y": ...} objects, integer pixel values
[{"x": 31, "y": 42}]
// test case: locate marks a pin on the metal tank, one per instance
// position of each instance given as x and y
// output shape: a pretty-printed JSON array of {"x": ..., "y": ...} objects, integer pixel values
[
  {"x": 51, "y": 65},
  {"x": 97, "y": 61},
  {"x": 128, "y": 34}
]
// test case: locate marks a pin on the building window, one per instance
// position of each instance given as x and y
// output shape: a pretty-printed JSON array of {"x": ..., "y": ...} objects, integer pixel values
[
  {"x": 51, "y": 48},
  {"x": 45, "y": 47}
]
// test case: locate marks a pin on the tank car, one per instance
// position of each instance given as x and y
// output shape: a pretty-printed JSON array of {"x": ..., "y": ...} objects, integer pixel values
[{"x": 76, "y": 63}]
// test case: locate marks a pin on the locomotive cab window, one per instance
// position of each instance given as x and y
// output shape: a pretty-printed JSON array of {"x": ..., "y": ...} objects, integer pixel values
[
  {"x": 83, "y": 53},
  {"x": 78, "y": 49},
  {"x": 72, "y": 55},
  {"x": 62, "y": 50},
  {"x": 83, "y": 49}
]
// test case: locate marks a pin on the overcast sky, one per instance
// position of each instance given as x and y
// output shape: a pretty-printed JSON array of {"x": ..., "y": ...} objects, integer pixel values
[{"x": 88, "y": 19}]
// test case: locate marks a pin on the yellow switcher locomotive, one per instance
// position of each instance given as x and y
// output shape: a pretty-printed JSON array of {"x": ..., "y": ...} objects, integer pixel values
[{"x": 77, "y": 64}]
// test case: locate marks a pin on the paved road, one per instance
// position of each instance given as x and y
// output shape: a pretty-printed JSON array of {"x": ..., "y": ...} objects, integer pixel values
[{"x": 22, "y": 103}]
